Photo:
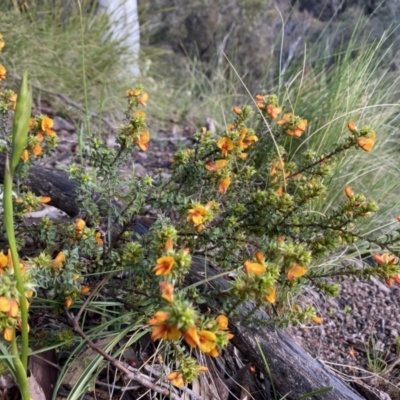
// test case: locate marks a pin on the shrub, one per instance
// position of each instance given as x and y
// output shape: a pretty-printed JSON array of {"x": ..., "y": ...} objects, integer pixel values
[{"x": 242, "y": 199}]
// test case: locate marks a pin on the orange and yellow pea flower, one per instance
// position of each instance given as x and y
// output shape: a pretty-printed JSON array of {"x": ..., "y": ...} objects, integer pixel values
[
  {"x": 176, "y": 379},
  {"x": 207, "y": 341},
  {"x": 273, "y": 111},
  {"x": 59, "y": 261},
  {"x": 222, "y": 322},
  {"x": 225, "y": 144},
  {"x": 47, "y": 125},
  {"x": 216, "y": 165},
  {"x": 367, "y": 142},
  {"x": 197, "y": 216},
  {"x": 167, "y": 291},
  {"x": 271, "y": 296},
  {"x": 224, "y": 184},
  {"x": 251, "y": 267},
  {"x": 3, "y": 72},
  {"x": 164, "y": 265},
  {"x": 348, "y": 192},
  {"x": 296, "y": 271},
  {"x": 9, "y": 306},
  {"x": 79, "y": 226},
  {"x": 237, "y": 110},
  {"x": 162, "y": 330},
  {"x": 143, "y": 140}
]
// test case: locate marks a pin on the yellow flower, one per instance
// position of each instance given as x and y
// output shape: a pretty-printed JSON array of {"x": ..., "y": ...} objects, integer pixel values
[
  {"x": 37, "y": 150},
  {"x": 207, "y": 341},
  {"x": 296, "y": 271},
  {"x": 164, "y": 265},
  {"x": 25, "y": 155},
  {"x": 244, "y": 142},
  {"x": 3, "y": 260},
  {"x": 98, "y": 238},
  {"x": 367, "y": 142},
  {"x": 385, "y": 258},
  {"x": 143, "y": 141},
  {"x": 167, "y": 291},
  {"x": 197, "y": 215},
  {"x": 47, "y": 125},
  {"x": 254, "y": 268},
  {"x": 59, "y": 260},
  {"x": 271, "y": 296},
  {"x": 133, "y": 93},
  {"x": 143, "y": 99},
  {"x": 2, "y": 43},
  {"x": 318, "y": 320},
  {"x": 162, "y": 330},
  {"x": 217, "y": 165},
  {"x": 9, "y": 306},
  {"x": 348, "y": 192},
  {"x": 352, "y": 127},
  {"x": 8, "y": 334},
  {"x": 79, "y": 226},
  {"x": 273, "y": 111},
  {"x": 2, "y": 72},
  {"x": 85, "y": 289},
  {"x": 222, "y": 322},
  {"x": 225, "y": 144},
  {"x": 191, "y": 337},
  {"x": 176, "y": 379},
  {"x": 237, "y": 110},
  {"x": 139, "y": 113},
  {"x": 224, "y": 184}
]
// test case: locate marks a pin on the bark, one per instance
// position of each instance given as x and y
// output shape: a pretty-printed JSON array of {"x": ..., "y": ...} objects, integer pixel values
[{"x": 292, "y": 370}]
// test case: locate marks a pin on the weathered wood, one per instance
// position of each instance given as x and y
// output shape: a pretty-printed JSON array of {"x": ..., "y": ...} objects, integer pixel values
[{"x": 293, "y": 371}]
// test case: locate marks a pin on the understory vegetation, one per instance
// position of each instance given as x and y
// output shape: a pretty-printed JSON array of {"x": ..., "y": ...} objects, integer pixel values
[{"x": 294, "y": 188}]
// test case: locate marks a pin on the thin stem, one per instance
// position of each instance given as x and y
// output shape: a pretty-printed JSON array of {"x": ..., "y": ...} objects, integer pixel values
[{"x": 20, "y": 371}]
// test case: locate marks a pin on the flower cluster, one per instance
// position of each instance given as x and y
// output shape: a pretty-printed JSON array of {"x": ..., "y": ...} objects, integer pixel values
[
  {"x": 179, "y": 320},
  {"x": 134, "y": 132},
  {"x": 10, "y": 313}
]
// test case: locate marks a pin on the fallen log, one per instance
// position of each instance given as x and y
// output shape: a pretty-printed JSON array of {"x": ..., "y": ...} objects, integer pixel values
[{"x": 293, "y": 372}]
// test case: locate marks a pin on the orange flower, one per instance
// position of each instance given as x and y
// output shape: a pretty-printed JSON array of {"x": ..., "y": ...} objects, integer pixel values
[
  {"x": 318, "y": 320},
  {"x": 225, "y": 144},
  {"x": 244, "y": 142},
  {"x": 68, "y": 302},
  {"x": 222, "y": 322},
  {"x": 143, "y": 99},
  {"x": 9, "y": 306},
  {"x": 213, "y": 353},
  {"x": 207, "y": 341},
  {"x": 8, "y": 334},
  {"x": 143, "y": 140},
  {"x": 273, "y": 111},
  {"x": 2, "y": 72},
  {"x": 133, "y": 93},
  {"x": 59, "y": 260},
  {"x": 164, "y": 265},
  {"x": 367, "y": 142},
  {"x": 2, "y": 43},
  {"x": 259, "y": 101},
  {"x": 217, "y": 165},
  {"x": 191, "y": 337},
  {"x": 162, "y": 330},
  {"x": 44, "y": 199},
  {"x": 79, "y": 226},
  {"x": 85, "y": 289},
  {"x": 139, "y": 113},
  {"x": 224, "y": 184},
  {"x": 25, "y": 155},
  {"x": 167, "y": 291},
  {"x": 385, "y": 258},
  {"x": 39, "y": 137},
  {"x": 294, "y": 129},
  {"x": 271, "y": 296},
  {"x": 348, "y": 192},
  {"x": 3, "y": 260},
  {"x": 197, "y": 215},
  {"x": 98, "y": 238},
  {"x": 296, "y": 271},
  {"x": 259, "y": 257},
  {"x": 352, "y": 127},
  {"x": 254, "y": 268},
  {"x": 176, "y": 379},
  {"x": 237, "y": 110},
  {"x": 47, "y": 125},
  {"x": 37, "y": 150}
]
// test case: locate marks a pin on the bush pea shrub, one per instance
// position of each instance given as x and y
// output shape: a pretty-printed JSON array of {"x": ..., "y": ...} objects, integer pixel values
[{"x": 243, "y": 198}]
